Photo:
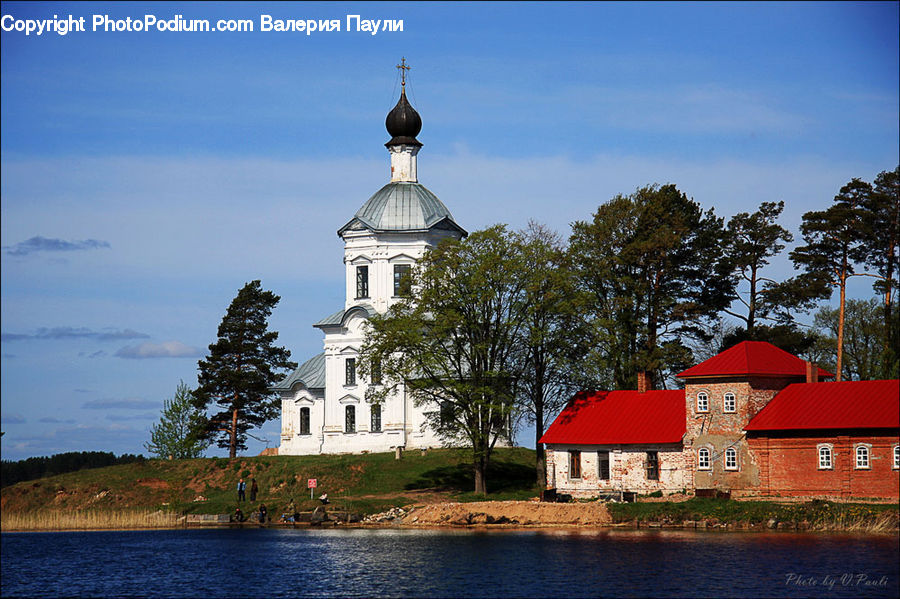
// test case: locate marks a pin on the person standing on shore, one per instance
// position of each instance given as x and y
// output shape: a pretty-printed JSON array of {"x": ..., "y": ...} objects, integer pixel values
[
  {"x": 241, "y": 487},
  {"x": 254, "y": 489},
  {"x": 262, "y": 513}
]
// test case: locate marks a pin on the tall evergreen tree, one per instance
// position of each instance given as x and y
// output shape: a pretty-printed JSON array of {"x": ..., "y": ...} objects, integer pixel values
[
  {"x": 175, "y": 435},
  {"x": 881, "y": 220},
  {"x": 834, "y": 249},
  {"x": 752, "y": 239},
  {"x": 655, "y": 267},
  {"x": 241, "y": 369}
]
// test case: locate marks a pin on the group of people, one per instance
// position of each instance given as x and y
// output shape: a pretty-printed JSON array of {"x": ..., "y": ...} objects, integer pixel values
[
  {"x": 261, "y": 514},
  {"x": 242, "y": 488}
]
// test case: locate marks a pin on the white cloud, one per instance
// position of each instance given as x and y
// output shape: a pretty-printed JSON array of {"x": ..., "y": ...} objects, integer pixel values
[{"x": 167, "y": 349}]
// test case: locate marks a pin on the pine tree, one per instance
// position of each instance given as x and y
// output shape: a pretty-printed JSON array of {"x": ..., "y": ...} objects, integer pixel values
[
  {"x": 175, "y": 437},
  {"x": 241, "y": 369}
]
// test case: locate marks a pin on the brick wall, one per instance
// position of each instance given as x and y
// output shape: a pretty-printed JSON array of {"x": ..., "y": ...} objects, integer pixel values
[
  {"x": 718, "y": 430},
  {"x": 789, "y": 466},
  {"x": 627, "y": 469}
]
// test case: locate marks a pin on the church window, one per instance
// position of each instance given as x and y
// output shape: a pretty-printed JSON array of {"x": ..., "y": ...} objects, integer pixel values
[
  {"x": 730, "y": 403},
  {"x": 731, "y": 459},
  {"x": 376, "y": 370},
  {"x": 703, "y": 459},
  {"x": 825, "y": 457},
  {"x": 401, "y": 280},
  {"x": 350, "y": 419},
  {"x": 702, "y": 402},
  {"x": 862, "y": 457},
  {"x": 376, "y": 418},
  {"x": 350, "y": 374},
  {"x": 362, "y": 282},
  {"x": 652, "y": 465},
  {"x": 304, "y": 421},
  {"x": 574, "y": 464},
  {"x": 603, "y": 465}
]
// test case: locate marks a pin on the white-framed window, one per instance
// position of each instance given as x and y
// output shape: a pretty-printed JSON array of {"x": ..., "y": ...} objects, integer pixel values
[
  {"x": 862, "y": 457},
  {"x": 731, "y": 459},
  {"x": 729, "y": 403},
  {"x": 896, "y": 457},
  {"x": 350, "y": 371},
  {"x": 350, "y": 419},
  {"x": 703, "y": 402},
  {"x": 703, "y": 462},
  {"x": 362, "y": 282},
  {"x": 375, "y": 424},
  {"x": 304, "y": 421},
  {"x": 826, "y": 456}
]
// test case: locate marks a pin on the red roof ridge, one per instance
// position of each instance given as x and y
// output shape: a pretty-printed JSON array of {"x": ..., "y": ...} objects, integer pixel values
[{"x": 751, "y": 358}]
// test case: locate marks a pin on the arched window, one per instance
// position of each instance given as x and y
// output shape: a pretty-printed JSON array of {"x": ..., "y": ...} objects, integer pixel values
[
  {"x": 350, "y": 419},
  {"x": 862, "y": 457},
  {"x": 729, "y": 403},
  {"x": 376, "y": 418},
  {"x": 304, "y": 421},
  {"x": 703, "y": 459},
  {"x": 731, "y": 459},
  {"x": 702, "y": 402},
  {"x": 896, "y": 457},
  {"x": 826, "y": 461}
]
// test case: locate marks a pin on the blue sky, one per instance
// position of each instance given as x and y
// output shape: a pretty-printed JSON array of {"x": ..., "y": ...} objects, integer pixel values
[{"x": 147, "y": 176}]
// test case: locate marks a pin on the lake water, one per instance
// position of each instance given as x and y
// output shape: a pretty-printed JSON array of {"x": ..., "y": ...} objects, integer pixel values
[{"x": 415, "y": 563}]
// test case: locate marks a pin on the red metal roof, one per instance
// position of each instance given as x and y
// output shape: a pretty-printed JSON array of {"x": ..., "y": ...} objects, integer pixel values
[
  {"x": 848, "y": 404},
  {"x": 620, "y": 417},
  {"x": 751, "y": 358}
]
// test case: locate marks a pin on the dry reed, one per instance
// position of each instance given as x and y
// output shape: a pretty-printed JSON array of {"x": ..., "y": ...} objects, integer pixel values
[{"x": 86, "y": 520}]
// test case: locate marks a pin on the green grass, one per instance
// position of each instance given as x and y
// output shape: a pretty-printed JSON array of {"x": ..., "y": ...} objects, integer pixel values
[
  {"x": 366, "y": 483},
  {"x": 813, "y": 513}
]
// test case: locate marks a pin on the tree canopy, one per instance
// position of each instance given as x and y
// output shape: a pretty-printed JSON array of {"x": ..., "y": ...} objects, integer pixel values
[
  {"x": 454, "y": 342},
  {"x": 654, "y": 265},
  {"x": 175, "y": 436},
  {"x": 242, "y": 366}
]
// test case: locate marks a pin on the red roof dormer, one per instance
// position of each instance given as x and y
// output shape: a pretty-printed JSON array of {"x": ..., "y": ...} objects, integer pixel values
[{"x": 751, "y": 358}]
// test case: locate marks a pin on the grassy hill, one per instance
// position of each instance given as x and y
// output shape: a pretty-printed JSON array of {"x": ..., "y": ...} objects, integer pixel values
[{"x": 361, "y": 483}]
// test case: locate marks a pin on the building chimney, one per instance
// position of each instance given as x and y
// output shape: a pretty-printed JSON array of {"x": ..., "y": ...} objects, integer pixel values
[
  {"x": 643, "y": 381},
  {"x": 812, "y": 372}
]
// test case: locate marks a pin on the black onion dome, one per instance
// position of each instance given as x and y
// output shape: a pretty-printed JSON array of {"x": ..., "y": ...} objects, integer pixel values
[{"x": 403, "y": 123}]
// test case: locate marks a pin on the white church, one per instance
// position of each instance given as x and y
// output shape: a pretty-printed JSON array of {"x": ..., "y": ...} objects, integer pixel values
[{"x": 323, "y": 403}]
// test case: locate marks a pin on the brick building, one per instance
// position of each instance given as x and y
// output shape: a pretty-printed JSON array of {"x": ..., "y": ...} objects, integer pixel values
[{"x": 755, "y": 421}]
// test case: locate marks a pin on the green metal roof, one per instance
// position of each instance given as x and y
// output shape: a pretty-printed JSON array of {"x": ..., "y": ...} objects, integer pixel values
[
  {"x": 311, "y": 374},
  {"x": 402, "y": 206},
  {"x": 338, "y": 317}
]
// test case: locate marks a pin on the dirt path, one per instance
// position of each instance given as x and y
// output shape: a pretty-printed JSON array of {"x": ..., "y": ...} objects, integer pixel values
[{"x": 524, "y": 513}]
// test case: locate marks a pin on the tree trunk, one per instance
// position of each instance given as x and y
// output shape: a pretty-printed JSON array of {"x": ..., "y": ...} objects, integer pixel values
[
  {"x": 232, "y": 450},
  {"x": 751, "y": 305},
  {"x": 840, "y": 339},
  {"x": 480, "y": 483},
  {"x": 539, "y": 459}
]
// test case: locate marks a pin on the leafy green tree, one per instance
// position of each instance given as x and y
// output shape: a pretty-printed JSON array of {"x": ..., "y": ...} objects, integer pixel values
[
  {"x": 454, "y": 343},
  {"x": 654, "y": 266},
  {"x": 834, "y": 249},
  {"x": 555, "y": 338},
  {"x": 752, "y": 239},
  {"x": 240, "y": 371},
  {"x": 881, "y": 224},
  {"x": 175, "y": 435},
  {"x": 863, "y": 332}
]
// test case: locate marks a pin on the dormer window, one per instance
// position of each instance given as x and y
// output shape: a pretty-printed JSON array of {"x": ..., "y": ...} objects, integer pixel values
[
  {"x": 702, "y": 402},
  {"x": 729, "y": 403}
]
